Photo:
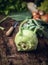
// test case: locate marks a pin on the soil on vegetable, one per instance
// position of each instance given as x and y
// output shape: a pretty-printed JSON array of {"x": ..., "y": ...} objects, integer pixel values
[{"x": 8, "y": 51}]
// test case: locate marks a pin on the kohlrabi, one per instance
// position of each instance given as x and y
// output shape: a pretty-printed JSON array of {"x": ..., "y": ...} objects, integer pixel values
[{"x": 26, "y": 38}]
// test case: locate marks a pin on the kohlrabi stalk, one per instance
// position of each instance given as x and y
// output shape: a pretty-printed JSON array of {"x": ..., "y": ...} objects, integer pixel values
[{"x": 22, "y": 23}]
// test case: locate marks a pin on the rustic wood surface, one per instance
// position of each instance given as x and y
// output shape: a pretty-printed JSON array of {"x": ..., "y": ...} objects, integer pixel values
[{"x": 9, "y": 54}]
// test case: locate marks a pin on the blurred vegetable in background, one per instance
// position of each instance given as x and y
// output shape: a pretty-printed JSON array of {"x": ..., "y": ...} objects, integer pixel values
[
  {"x": 12, "y": 6},
  {"x": 7, "y": 6},
  {"x": 44, "y": 6}
]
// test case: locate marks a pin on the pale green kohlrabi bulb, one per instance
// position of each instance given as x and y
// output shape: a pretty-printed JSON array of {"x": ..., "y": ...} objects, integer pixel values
[{"x": 26, "y": 40}]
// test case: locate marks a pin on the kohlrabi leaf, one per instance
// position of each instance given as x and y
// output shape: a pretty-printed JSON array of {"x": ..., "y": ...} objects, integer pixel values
[{"x": 21, "y": 16}]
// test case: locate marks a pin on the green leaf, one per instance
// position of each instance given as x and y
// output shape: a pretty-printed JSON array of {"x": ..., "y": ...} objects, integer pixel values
[
  {"x": 6, "y": 12},
  {"x": 44, "y": 6},
  {"x": 20, "y": 16}
]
